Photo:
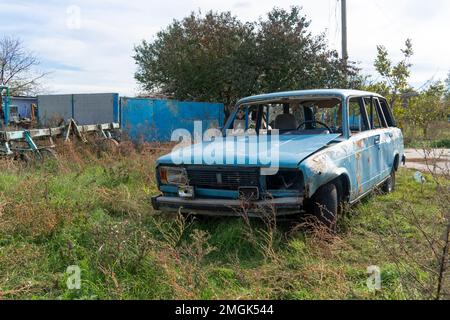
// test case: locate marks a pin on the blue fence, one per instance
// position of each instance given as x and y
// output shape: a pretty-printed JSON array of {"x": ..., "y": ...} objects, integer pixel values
[{"x": 151, "y": 120}]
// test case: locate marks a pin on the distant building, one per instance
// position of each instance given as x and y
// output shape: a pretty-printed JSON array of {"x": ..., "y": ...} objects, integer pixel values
[{"x": 22, "y": 108}]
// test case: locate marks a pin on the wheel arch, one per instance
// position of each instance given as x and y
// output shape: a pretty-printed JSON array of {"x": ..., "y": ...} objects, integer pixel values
[
  {"x": 344, "y": 187},
  {"x": 396, "y": 163},
  {"x": 339, "y": 177}
]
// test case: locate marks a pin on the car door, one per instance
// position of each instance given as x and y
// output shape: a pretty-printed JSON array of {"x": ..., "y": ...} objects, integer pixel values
[
  {"x": 389, "y": 143},
  {"x": 382, "y": 123},
  {"x": 360, "y": 136},
  {"x": 376, "y": 139}
]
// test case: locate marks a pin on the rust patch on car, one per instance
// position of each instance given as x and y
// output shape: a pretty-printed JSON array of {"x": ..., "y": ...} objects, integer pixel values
[
  {"x": 360, "y": 143},
  {"x": 358, "y": 172},
  {"x": 358, "y": 181}
]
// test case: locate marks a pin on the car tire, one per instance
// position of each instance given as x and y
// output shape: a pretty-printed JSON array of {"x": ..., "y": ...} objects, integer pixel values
[
  {"x": 326, "y": 205},
  {"x": 389, "y": 185}
]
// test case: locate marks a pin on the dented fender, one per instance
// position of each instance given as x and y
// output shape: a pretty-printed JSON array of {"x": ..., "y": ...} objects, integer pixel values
[{"x": 325, "y": 166}]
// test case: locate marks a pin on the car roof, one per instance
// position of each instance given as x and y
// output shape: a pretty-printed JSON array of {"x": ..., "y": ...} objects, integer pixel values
[{"x": 343, "y": 93}]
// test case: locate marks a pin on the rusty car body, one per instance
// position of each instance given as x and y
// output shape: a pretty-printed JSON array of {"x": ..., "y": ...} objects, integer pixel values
[{"x": 333, "y": 145}]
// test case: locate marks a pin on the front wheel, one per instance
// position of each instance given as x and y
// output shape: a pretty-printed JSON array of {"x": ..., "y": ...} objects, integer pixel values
[{"x": 326, "y": 205}]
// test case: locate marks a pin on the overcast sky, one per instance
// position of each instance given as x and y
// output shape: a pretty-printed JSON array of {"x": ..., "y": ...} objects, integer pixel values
[{"x": 94, "y": 53}]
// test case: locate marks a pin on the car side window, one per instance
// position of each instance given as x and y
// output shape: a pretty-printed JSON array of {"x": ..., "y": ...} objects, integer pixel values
[
  {"x": 387, "y": 113},
  {"x": 374, "y": 119},
  {"x": 380, "y": 113},
  {"x": 357, "y": 118}
]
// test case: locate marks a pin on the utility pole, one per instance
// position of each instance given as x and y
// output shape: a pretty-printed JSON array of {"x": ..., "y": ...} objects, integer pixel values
[{"x": 344, "y": 30}]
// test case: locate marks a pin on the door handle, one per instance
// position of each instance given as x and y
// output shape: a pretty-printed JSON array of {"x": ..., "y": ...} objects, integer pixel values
[{"x": 377, "y": 140}]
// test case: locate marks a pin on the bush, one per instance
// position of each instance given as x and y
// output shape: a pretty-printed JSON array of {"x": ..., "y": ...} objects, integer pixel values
[{"x": 444, "y": 143}]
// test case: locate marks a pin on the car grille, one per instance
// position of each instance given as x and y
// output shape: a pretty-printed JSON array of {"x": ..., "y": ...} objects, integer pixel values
[{"x": 223, "y": 178}]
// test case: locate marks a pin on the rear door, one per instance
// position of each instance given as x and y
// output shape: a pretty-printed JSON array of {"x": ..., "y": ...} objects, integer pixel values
[
  {"x": 375, "y": 141},
  {"x": 391, "y": 144}
]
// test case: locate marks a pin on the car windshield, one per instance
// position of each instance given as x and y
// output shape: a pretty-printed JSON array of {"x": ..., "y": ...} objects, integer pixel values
[{"x": 296, "y": 117}]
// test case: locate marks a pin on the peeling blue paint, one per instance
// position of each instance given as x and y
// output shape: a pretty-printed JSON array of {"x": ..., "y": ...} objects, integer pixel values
[{"x": 154, "y": 120}]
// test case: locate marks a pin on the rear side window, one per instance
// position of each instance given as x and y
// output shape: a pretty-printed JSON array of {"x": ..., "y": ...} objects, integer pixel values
[
  {"x": 380, "y": 113},
  {"x": 374, "y": 117},
  {"x": 388, "y": 113},
  {"x": 375, "y": 120},
  {"x": 357, "y": 117}
]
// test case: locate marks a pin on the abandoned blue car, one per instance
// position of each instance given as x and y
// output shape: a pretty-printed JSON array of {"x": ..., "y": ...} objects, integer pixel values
[{"x": 286, "y": 153}]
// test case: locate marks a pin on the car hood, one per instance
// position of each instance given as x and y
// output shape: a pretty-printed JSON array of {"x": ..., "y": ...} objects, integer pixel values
[{"x": 293, "y": 149}]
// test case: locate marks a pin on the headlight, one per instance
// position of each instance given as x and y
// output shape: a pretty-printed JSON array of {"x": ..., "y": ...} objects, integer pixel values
[{"x": 173, "y": 175}]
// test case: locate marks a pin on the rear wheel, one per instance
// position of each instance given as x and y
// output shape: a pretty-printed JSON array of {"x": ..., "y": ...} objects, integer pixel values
[
  {"x": 326, "y": 205},
  {"x": 389, "y": 185}
]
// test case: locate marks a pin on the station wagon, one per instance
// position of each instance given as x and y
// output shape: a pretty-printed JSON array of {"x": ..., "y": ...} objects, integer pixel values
[{"x": 331, "y": 147}]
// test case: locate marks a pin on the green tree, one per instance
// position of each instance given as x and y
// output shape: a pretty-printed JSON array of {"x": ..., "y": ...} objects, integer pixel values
[
  {"x": 394, "y": 76},
  {"x": 447, "y": 88},
  {"x": 218, "y": 58},
  {"x": 206, "y": 58},
  {"x": 427, "y": 108},
  {"x": 292, "y": 58}
]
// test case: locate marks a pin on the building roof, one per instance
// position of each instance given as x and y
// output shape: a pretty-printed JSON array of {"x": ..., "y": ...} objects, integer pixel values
[{"x": 343, "y": 93}]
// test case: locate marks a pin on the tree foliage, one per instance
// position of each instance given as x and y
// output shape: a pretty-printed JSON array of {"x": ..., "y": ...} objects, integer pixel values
[
  {"x": 416, "y": 110},
  {"x": 291, "y": 58},
  {"x": 200, "y": 58},
  {"x": 447, "y": 88},
  {"x": 428, "y": 107},
  {"x": 216, "y": 57},
  {"x": 394, "y": 76}
]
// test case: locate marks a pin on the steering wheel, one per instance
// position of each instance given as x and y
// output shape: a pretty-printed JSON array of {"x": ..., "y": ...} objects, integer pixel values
[{"x": 314, "y": 121}]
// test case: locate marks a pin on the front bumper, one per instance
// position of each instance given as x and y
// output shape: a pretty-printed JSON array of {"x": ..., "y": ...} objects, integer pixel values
[{"x": 225, "y": 207}]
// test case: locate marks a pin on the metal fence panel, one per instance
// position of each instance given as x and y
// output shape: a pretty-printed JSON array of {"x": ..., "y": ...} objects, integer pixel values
[
  {"x": 94, "y": 108},
  {"x": 53, "y": 108},
  {"x": 84, "y": 108},
  {"x": 155, "y": 120},
  {"x": 137, "y": 120}
]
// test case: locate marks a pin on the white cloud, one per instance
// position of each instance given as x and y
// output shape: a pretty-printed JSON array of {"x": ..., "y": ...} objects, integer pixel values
[{"x": 98, "y": 57}]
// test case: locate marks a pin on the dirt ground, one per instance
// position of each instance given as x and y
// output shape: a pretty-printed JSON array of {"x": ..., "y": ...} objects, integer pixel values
[{"x": 434, "y": 160}]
